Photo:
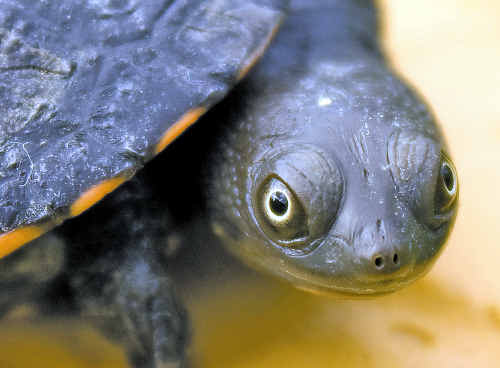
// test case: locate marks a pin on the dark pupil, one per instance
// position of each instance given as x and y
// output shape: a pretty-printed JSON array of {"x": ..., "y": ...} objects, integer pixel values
[
  {"x": 278, "y": 203},
  {"x": 447, "y": 176}
]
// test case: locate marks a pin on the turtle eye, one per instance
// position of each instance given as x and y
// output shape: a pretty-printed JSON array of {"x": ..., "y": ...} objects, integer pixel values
[
  {"x": 447, "y": 186},
  {"x": 277, "y": 205},
  {"x": 280, "y": 213}
]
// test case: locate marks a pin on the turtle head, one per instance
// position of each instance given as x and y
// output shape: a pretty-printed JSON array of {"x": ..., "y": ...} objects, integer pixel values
[{"x": 346, "y": 191}]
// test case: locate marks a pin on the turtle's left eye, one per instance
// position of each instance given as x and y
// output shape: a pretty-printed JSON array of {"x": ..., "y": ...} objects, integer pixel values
[
  {"x": 280, "y": 212},
  {"x": 447, "y": 186}
]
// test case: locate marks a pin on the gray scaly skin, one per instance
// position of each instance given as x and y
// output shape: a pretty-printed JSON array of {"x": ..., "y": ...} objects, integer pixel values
[
  {"x": 324, "y": 169},
  {"x": 324, "y": 123}
]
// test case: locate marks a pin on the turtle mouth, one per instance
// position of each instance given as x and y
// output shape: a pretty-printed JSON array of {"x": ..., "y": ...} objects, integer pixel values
[
  {"x": 381, "y": 288},
  {"x": 354, "y": 288}
]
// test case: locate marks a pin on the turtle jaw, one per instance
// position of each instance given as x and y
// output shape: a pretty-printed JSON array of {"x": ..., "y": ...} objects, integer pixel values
[
  {"x": 339, "y": 267},
  {"x": 356, "y": 281},
  {"x": 357, "y": 268},
  {"x": 364, "y": 285},
  {"x": 369, "y": 290}
]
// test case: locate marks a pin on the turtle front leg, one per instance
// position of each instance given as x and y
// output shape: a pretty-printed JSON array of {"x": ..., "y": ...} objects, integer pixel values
[
  {"x": 137, "y": 307},
  {"x": 117, "y": 271}
]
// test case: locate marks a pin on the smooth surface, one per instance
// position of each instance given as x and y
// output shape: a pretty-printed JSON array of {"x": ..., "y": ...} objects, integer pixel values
[{"x": 449, "y": 319}]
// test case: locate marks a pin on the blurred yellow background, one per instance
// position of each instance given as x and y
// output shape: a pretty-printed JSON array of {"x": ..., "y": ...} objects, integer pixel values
[{"x": 449, "y": 49}]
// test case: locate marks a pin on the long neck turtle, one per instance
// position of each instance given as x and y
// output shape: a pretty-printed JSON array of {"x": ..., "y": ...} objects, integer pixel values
[{"x": 321, "y": 167}]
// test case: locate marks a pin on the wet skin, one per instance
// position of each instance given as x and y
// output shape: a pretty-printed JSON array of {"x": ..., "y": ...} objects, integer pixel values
[{"x": 335, "y": 175}]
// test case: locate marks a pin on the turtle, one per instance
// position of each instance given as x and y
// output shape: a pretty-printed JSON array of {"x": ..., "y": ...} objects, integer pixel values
[{"x": 321, "y": 166}]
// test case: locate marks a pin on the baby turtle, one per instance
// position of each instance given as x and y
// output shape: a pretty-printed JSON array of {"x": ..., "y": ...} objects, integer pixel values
[{"x": 322, "y": 167}]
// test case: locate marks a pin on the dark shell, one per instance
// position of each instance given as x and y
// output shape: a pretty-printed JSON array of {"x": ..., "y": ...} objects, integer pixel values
[{"x": 90, "y": 91}]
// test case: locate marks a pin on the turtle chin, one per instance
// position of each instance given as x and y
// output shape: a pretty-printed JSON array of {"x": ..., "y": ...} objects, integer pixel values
[
  {"x": 352, "y": 274},
  {"x": 346, "y": 286},
  {"x": 350, "y": 289},
  {"x": 349, "y": 286},
  {"x": 334, "y": 267}
]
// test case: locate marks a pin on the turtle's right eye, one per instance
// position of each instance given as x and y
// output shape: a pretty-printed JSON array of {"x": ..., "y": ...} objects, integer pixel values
[
  {"x": 280, "y": 213},
  {"x": 277, "y": 204},
  {"x": 296, "y": 192}
]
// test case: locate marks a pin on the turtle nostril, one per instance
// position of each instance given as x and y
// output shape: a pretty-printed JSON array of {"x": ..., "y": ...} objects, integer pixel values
[
  {"x": 386, "y": 261},
  {"x": 379, "y": 262}
]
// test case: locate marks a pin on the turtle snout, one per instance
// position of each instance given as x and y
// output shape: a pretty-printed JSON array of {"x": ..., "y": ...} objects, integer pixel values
[
  {"x": 386, "y": 263},
  {"x": 384, "y": 251}
]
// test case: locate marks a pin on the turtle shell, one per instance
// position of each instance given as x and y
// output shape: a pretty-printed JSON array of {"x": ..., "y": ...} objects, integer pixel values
[{"x": 90, "y": 91}]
